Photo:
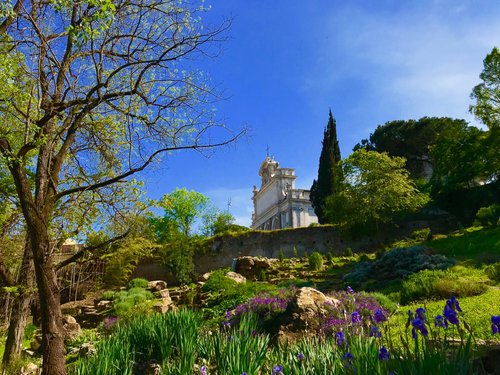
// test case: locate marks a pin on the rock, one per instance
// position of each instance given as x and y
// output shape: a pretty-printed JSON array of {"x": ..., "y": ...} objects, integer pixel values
[
  {"x": 252, "y": 267},
  {"x": 71, "y": 328},
  {"x": 239, "y": 279},
  {"x": 104, "y": 305},
  {"x": 164, "y": 293},
  {"x": 205, "y": 276},
  {"x": 164, "y": 304},
  {"x": 156, "y": 285},
  {"x": 30, "y": 369},
  {"x": 87, "y": 350},
  {"x": 304, "y": 313},
  {"x": 28, "y": 353}
]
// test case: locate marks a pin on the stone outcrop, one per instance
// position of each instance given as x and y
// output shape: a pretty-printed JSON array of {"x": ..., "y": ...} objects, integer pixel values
[
  {"x": 71, "y": 328},
  {"x": 252, "y": 267},
  {"x": 156, "y": 285},
  {"x": 303, "y": 314},
  {"x": 236, "y": 277}
]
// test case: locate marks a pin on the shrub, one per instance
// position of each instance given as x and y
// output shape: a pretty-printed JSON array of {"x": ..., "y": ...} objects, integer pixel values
[
  {"x": 398, "y": 264},
  {"x": 316, "y": 261},
  {"x": 348, "y": 252},
  {"x": 294, "y": 252},
  {"x": 493, "y": 271},
  {"x": 436, "y": 284},
  {"x": 218, "y": 282},
  {"x": 281, "y": 255},
  {"x": 108, "y": 295},
  {"x": 423, "y": 234},
  {"x": 126, "y": 302},
  {"x": 488, "y": 216},
  {"x": 138, "y": 283},
  {"x": 306, "y": 255},
  {"x": 329, "y": 257}
]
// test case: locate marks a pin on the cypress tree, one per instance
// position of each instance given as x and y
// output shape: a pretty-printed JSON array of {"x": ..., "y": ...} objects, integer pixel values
[{"x": 330, "y": 174}]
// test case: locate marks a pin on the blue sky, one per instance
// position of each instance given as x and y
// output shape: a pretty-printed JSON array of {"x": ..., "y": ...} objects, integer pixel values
[{"x": 287, "y": 62}]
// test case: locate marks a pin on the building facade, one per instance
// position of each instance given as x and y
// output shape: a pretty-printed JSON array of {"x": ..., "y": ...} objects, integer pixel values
[{"x": 278, "y": 204}]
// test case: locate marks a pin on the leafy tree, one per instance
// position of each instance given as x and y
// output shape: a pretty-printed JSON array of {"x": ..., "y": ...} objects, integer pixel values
[
  {"x": 183, "y": 207},
  {"x": 459, "y": 159},
  {"x": 329, "y": 171},
  {"x": 216, "y": 222},
  {"x": 412, "y": 140},
  {"x": 376, "y": 188},
  {"x": 487, "y": 109},
  {"x": 94, "y": 92}
]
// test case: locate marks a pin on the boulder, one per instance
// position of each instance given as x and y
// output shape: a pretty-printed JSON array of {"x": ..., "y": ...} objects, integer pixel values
[
  {"x": 104, "y": 305},
  {"x": 164, "y": 303},
  {"x": 303, "y": 314},
  {"x": 30, "y": 369},
  {"x": 239, "y": 279},
  {"x": 71, "y": 328},
  {"x": 164, "y": 293},
  {"x": 252, "y": 267},
  {"x": 205, "y": 276},
  {"x": 157, "y": 285}
]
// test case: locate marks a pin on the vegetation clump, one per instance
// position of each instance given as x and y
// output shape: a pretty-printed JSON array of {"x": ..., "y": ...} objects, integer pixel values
[{"x": 316, "y": 261}]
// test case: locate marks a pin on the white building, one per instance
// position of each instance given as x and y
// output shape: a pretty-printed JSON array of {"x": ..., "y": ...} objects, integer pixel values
[{"x": 278, "y": 204}]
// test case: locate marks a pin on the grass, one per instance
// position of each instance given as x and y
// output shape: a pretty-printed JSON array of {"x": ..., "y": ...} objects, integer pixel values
[{"x": 476, "y": 244}]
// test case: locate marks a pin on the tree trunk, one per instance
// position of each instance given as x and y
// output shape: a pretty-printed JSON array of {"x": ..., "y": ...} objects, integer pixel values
[
  {"x": 50, "y": 305},
  {"x": 20, "y": 308}
]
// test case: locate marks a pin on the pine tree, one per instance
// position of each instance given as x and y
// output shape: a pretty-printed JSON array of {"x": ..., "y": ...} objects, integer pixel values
[{"x": 330, "y": 174}]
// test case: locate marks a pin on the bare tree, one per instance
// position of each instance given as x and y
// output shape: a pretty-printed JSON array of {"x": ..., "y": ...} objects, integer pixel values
[{"x": 95, "y": 91}]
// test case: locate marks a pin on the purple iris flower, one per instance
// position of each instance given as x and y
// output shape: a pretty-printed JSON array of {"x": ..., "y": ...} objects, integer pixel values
[
  {"x": 349, "y": 290},
  {"x": 383, "y": 354},
  {"x": 355, "y": 317},
  {"x": 440, "y": 321},
  {"x": 418, "y": 325},
  {"x": 420, "y": 313},
  {"x": 228, "y": 314},
  {"x": 453, "y": 304},
  {"x": 340, "y": 338},
  {"x": 450, "y": 314},
  {"x": 374, "y": 332},
  {"x": 495, "y": 324},
  {"x": 278, "y": 370},
  {"x": 300, "y": 356},
  {"x": 203, "y": 370},
  {"x": 348, "y": 357},
  {"x": 379, "y": 316}
]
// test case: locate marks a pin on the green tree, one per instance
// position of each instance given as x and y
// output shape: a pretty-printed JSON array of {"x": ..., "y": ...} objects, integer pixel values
[
  {"x": 412, "y": 140},
  {"x": 329, "y": 171},
  {"x": 184, "y": 207},
  {"x": 94, "y": 92},
  {"x": 487, "y": 110},
  {"x": 376, "y": 188}
]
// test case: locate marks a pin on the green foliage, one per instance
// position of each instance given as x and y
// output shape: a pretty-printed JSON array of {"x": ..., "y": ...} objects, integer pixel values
[
  {"x": 410, "y": 139},
  {"x": 376, "y": 189},
  {"x": 329, "y": 256},
  {"x": 121, "y": 262},
  {"x": 218, "y": 282},
  {"x": 108, "y": 295},
  {"x": 178, "y": 258},
  {"x": 137, "y": 283},
  {"x": 440, "y": 284},
  {"x": 348, "y": 252},
  {"x": 397, "y": 264},
  {"x": 489, "y": 216},
  {"x": 126, "y": 302},
  {"x": 306, "y": 255},
  {"x": 262, "y": 275},
  {"x": 295, "y": 254},
  {"x": 423, "y": 234},
  {"x": 330, "y": 175},
  {"x": 281, "y": 255},
  {"x": 316, "y": 261},
  {"x": 493, "y": 272},
  {"x": 183, "y": 207}
]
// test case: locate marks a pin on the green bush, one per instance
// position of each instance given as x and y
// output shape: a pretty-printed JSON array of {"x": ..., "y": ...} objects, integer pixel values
[
  {"x": 398, "y": 264},
  {"x": 348, "y": 252},
  {"x": 281, "y": 255},
  {"x": 441, "y": 284},
  {"x": 294, "y": 252},
  {"x": 108, "y": 295},
  {"x": 138, "y": 283},
  {"x": 423, "y": 234},
  {"x": 126, "y": 302},
  {"x": 488, "y": 216},
  {"x": 493, "y": 271},
  {"x": 316, "y": 261},
  {"x": 218, "y": 282},
  {"x": 329, "y": 257}
]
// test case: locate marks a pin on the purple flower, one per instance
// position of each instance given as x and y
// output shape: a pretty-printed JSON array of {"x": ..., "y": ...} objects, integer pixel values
[
  {"x": 229, "y": 337},
  {"x": 203, "y": 370},
  {"x": 109, "y": 322},
  {"x": 374, "y": 332},
  {"x": 244, "y": 373},
  {"x": 348, "y": 357},
  {"x": 278, "y": 370},
  {"x": 355, "y": 317},
  {"x": 340, "y": 338},
  {"x": 450, "y": 314},
  {"x": 349, "y": 290},
  {"x": 418, "y": 325},
  {"x": 383, "y": 354},
  {"x": 440, "y": 321},
  {"x": 420, "y": 313},
  {"x": 453, "y": 304},
  {"x": 254, "y": 333},
  {"x": 379, "y": 316},
  {"x": 300, "y": 356},
  {"x": 495, "y": 324},
  {"x": 228, "y": 315}
]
